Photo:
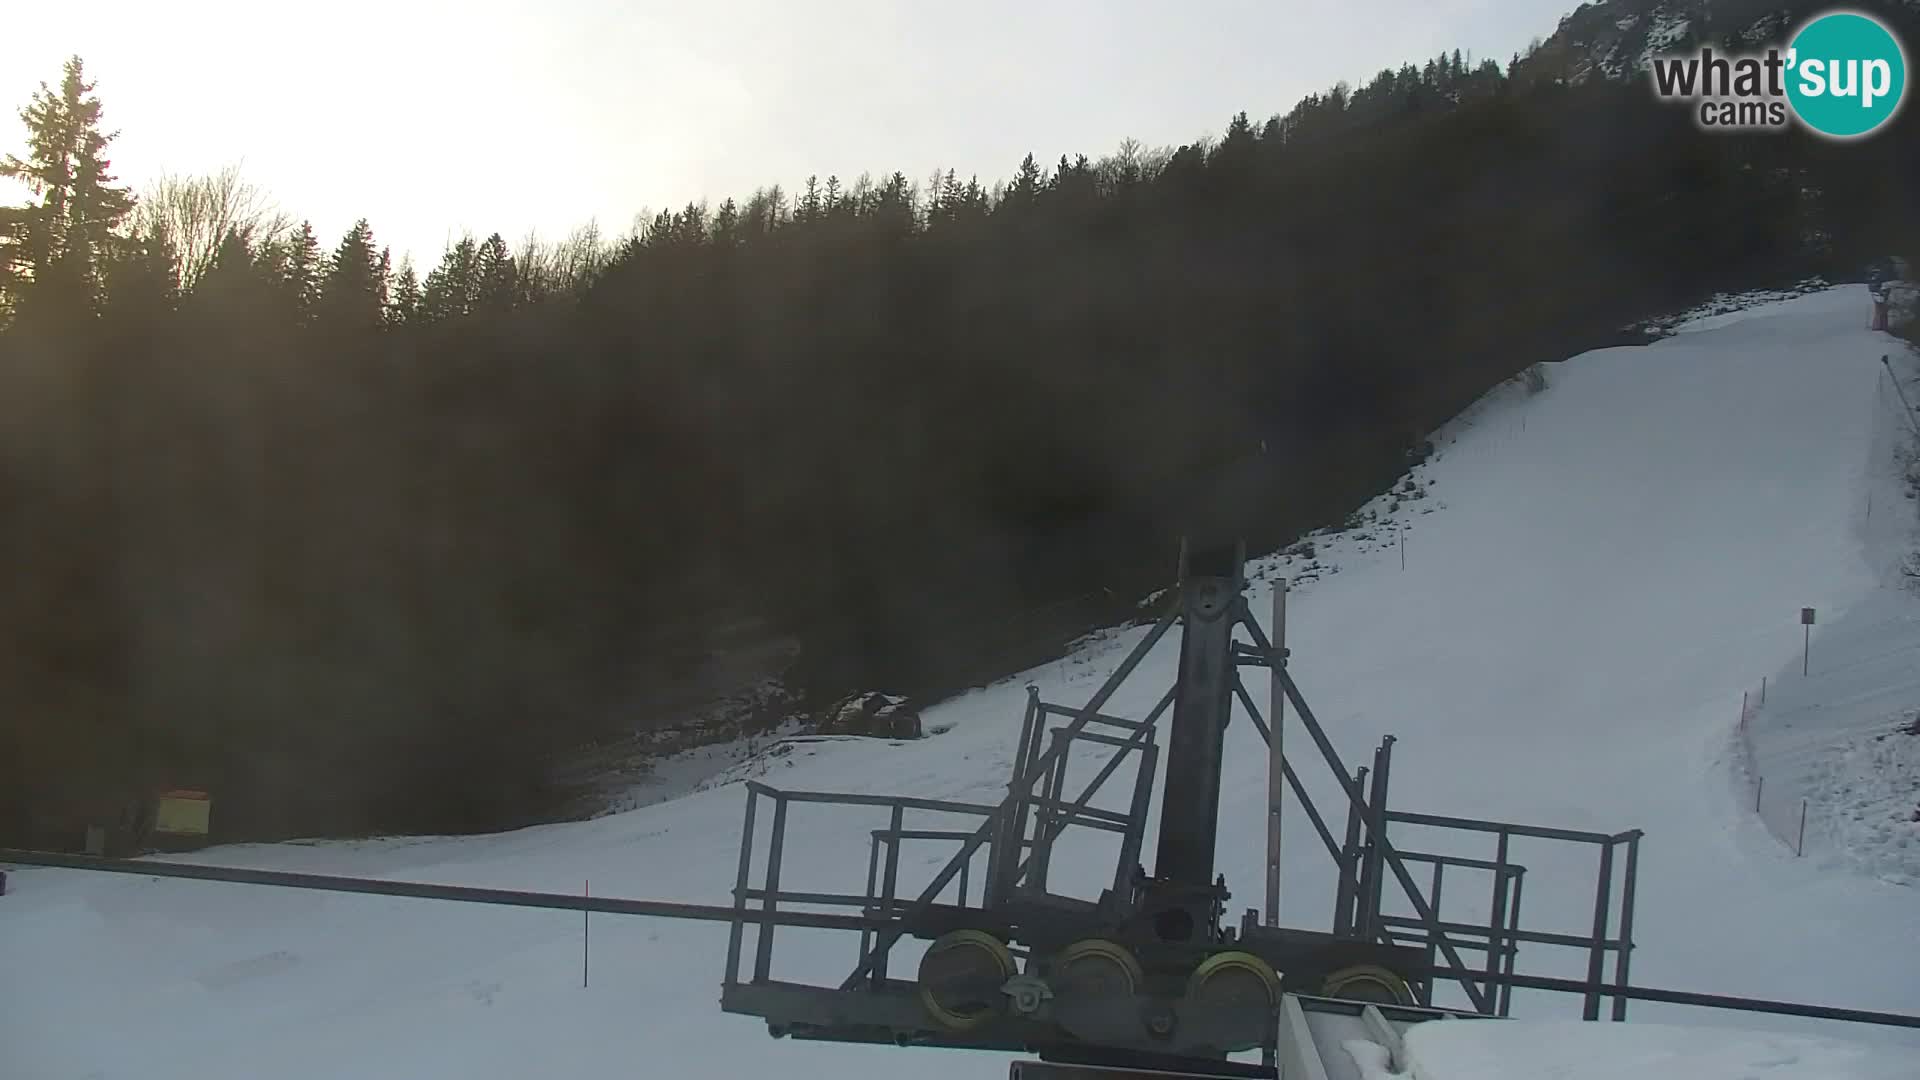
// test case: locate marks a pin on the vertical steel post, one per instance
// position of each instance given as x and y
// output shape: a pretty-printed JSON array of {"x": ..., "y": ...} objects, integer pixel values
[
  {"x": 1497, "y": 919},
  {"x": 1505, "y": 1007},
  {"x": 1276, "y": 753},
  {"x": 763, "y": 947},
  {"x": 1433, "y": 949},
  {"x": 1362, "y": 902},
  {"x": 1376, "y": 835},
  {"x": 1596, "y": 957},
  {"x": 1380, "y": 854},
  {"x": 890, "y": 884},
  {"x": 1348, "y": 889},
  {"x": 739, "y": 925},
  {"x": 1626, "y": 924},
  {"x": 1210, "y": 607},
  {"x": 1045, "y": 829},
  {"x": 1136, "y": 835},
  {"x": 1003, "y": 859},
  {"x": 873, "y": 879}
]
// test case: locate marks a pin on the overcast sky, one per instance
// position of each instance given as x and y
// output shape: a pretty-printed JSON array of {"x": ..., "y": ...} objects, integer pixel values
[{"x": 433, "y": 118}]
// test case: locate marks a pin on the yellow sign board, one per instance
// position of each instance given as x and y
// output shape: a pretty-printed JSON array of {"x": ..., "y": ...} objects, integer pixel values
[{"x": 183, "y": 813}]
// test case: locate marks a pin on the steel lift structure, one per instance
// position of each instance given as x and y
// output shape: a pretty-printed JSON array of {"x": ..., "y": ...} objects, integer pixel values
[{"x": 1146, "y": 980}]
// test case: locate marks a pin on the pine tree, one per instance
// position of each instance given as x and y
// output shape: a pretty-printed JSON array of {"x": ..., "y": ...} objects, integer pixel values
[
  {"x": 1024, "y": 193},
  {"x": 952, "y": 199},
  {"x": 143, "y": 275},
  {"x": 383, "y": 280},
  {"x": 14, "y": 262},
  {"x": 303, "y": 271},
  {"x": 67, "y": 237},
  {"x": 497, "y": 277},
  {"x": 239, "y": 279},
  {"x": 1234, "y": 157},
  {"x": 453, "y": 287},
  {"x": 893, "y": 207},
  {"x": 726, "y": 225},
  {"x": 353, "y": 293},
  {"x": 405, "y": 304},
  {"x": 808, "y": 209}
]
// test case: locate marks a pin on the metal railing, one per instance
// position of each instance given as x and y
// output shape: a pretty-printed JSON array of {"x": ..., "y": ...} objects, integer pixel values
[
  {"x": 1018, "y": 836},
  {"x": 1500, "y": 937},
  {"x": 879, "y": 906},
  {"x": 1366, "y": 859}
]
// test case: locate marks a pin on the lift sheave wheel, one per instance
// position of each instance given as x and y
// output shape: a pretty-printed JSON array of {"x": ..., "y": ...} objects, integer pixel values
[
  {"x": 1366, "y": 982},
  {"x": 1234, "y": 980},
  {"x": 1096, "y": 968},
  {"x": 961, "y": 976}
]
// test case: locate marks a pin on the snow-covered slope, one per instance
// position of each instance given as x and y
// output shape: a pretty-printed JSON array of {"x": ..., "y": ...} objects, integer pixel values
[
  {"x": 1831, "y": 736},
  {"x": 1596, "y": 575}
]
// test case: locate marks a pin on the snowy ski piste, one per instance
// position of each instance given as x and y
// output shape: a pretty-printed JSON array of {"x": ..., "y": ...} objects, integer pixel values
[{"x": 1594, "y": 577}]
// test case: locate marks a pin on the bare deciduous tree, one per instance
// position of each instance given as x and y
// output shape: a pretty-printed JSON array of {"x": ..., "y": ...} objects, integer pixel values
[
  {"x": 197, "y": 213},
  {"x": 564, "y": 267}
]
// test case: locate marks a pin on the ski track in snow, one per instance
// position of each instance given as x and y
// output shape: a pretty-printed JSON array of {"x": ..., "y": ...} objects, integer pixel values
[{"x": 1595, "y": 575}]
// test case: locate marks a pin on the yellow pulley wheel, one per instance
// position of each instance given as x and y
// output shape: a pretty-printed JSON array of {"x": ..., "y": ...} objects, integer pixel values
[
  {"x": 960, "y": 978},
  {"x": 1095, "y": 968},
  {"x": 1234, "y": 979},
  {"x": 1367, "y": 982}
]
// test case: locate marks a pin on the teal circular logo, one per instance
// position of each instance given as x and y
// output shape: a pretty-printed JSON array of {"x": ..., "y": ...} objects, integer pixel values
[{"x": 1846, "y": 74}]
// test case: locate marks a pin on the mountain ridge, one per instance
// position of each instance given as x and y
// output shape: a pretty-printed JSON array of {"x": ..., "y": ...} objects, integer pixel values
[{"x": 1617, "y": 39}]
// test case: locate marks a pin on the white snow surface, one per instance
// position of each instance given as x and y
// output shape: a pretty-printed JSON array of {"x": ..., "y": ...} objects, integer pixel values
[
  {"x": 1599, "y": 573},
  {"x": 1578, "y": 1051},
  {"x": 1825, "y": 739}
]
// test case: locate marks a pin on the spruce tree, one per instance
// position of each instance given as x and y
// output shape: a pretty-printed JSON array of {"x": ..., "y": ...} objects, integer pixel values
[
  {"x": 353, "y": 293},
  {"x": 143, "y": 275},
  {"x": 1024, "y": 193},
  {"x": 496, "y": 275},
  {"x": 726, "y": 225},
  {"x": 405, "y": 304},
  {"x": 452, "y": 288},
  {"x": 67, "y": 236},
  {"x": 303, "y": 271}
]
